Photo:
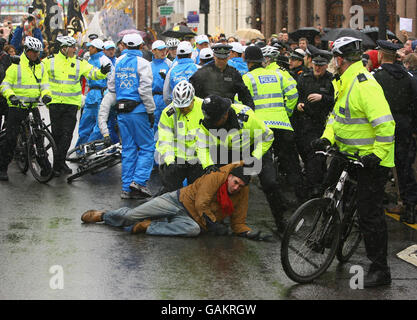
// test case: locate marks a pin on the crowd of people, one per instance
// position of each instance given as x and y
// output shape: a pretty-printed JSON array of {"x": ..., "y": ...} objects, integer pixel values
[{"x": 209, "y": 114}]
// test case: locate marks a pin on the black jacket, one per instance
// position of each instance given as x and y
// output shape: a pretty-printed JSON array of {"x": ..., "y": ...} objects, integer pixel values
[
  {"x": 297, "y": 72},
  {"x": 315, "y": 114},
  {"x": 210, "y": 80},
  {"x": 400, "y": 90}
]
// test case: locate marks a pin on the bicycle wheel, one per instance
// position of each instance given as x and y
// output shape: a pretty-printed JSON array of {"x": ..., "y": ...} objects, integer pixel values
[
  {"x": 96, "y": 166},
  {"x": 350, "y": 236},
  {"x": 310, "y": 240},
  {"x": 41, "y": 152},
  {"x": 20, "y": 153}
]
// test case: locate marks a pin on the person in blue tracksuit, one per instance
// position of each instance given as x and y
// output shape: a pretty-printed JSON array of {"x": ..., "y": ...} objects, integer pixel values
[
  {"x": 109, "y": 51},
  {"x": 183, "y": 70},
  {"x": 95, "y": 93},
  {"x": 160, "y": 66},
  {"x": 202, "y": 41},
  {"x": 235, "y": 58},
  {"x": 131, "y": 82}
]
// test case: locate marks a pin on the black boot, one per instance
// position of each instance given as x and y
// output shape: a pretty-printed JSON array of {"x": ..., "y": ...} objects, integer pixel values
[
  {"x": 65, "y": 169},
  {"x": 3, "y": 175},
  {"x": 278, "y": 207},
  {"x": 408, "y": 216},
  {"x": 375, "y": 278}
]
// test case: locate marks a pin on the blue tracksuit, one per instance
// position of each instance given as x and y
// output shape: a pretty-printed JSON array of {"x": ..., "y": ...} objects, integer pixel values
[
  {"x": 159, "y": 65},
  {"x": 92, "y": 101},
  {"x": 239, "y": 64},
  {"x": 132, "y": 80}
]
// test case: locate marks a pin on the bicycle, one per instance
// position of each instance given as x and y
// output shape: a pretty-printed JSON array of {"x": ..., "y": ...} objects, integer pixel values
[
  {"x": 323, "y": 228},
  {"x": 35, "y": 148},
  {"x": 94, "y": 157}
]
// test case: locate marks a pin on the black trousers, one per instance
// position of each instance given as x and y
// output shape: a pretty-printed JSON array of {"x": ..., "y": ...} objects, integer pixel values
[
  {"x": 314, "y": 164},
  {"x": 4, "y": 110},
  {"x": 405, "y": 152},
  {"x": 285, "y": 148},
  {"x": 370, "y": 196},
  {"x": 8, "y": 145},
  {"x": 63, "y": 119},
  {"x": 173, "y": 176}
]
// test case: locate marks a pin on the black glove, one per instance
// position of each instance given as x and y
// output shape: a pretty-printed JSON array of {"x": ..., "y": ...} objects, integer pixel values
[
  {"x": 14, "y": 100},
  {"x": 257, "y": 235},
  {"x": 320, "y": 144},
  {"x": 219, "y": 229},
  {"x": 370, "y": 160},
  {"x": 211, "y": 169},
  {"x": 163, "y": 75},
  {"x": 107, "y": 141},
  {"x": 105, "y": 69},
  {"x": 151, "y": 118},
  {"x": 46, "y": 99},
  {"x": 15, "y": 59}
]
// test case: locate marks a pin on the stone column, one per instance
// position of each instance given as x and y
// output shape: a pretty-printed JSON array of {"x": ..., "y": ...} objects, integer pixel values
[
  {"x": 346, "y": 12},
  {"x": 303, "y": 13},
  {"x": 321, "y": 12},
  {"x": 268, "y": 18},
  {"x": 400, "y": 12},
  {"x": 412, "y": 14},
  {"x": 279, "y": 8},
  {"x": 291, "y": 15}
]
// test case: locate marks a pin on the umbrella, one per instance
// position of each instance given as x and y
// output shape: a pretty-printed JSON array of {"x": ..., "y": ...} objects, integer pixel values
[
  {"x": 307, "y": 32},
  {"x": 178, "y": 32},
  {"x": 374, "y": 31},
  {"x": 249, "y": 34},
  {"x": 121, "y": 34},
  {"x": 337, "y": 33}
]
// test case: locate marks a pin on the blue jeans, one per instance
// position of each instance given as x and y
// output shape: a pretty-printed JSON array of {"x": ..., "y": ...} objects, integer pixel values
[{"x": 168, "y": 215}]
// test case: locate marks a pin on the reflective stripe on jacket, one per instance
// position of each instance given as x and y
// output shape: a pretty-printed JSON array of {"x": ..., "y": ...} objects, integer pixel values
[
  {"x": 268, "y": 89},
  {"x": 177, "y": 133},
  {"x": 64, "y": 78},
  {"x": 25, "y": 82},
  {"x": 252, "y": 132},
  {"x": 361, "y": 120}
]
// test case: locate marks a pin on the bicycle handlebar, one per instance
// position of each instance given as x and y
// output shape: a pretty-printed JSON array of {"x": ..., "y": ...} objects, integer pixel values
[{"x": 335, "y": 152}]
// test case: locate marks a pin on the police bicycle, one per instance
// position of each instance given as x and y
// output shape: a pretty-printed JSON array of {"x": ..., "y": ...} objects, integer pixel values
[
  {"x": 35, "y": 147},
  {"x": 94, "y": 157},
  {"x": 323, "y": 228}
]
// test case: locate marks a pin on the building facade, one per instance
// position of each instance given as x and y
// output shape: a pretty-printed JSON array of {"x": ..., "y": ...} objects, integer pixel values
[{"x": 270, "y": 16}]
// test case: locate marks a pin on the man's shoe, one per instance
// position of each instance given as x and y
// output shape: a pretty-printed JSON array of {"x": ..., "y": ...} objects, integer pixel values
[
  {"x": 398, "y": 209},
  {"x": 408, "y": 216},
  {"x": 56, "y": 173},
  {"x": 139, "y": 191},
  {"x": 281, "y": 225},
  {"x": 3, "y": 175},
  {"x": 141, "y": 227},
  {"x": 65, "y": 169},
  {"x": 377, "y": 278},
  {"x": 92, "y": 216}
]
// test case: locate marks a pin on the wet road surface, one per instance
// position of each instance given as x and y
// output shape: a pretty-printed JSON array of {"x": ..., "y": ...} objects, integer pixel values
[{"x": 40, "y": 227}]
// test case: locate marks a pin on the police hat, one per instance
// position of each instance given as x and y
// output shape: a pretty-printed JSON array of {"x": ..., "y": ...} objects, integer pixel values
[
  {"x": 214, "y": 107},
  {"x": 386, "y": 45},
  {"x": 322, "y": 57},
  {"x": 92, "y": 36},
  {"x": 253, "y": 54},
  {"x": 298, "y": 54},
  {"x": 221, "y": 50},
  {"x": 311, "y": 50},
  {"x": 282, "y": 60}
]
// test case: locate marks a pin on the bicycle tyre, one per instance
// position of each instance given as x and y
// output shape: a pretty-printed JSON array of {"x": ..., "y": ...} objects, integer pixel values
[
  {"x": 49, "y": 150},
  {"x": 101, "y": 163},
  {"x": 313, "y": 218},
  {"x": 21, "y": 153},
  {"x": 351, "y": 236}
]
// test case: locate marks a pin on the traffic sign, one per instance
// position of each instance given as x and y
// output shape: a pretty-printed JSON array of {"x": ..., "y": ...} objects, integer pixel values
[{"x": 166, "y": 10}]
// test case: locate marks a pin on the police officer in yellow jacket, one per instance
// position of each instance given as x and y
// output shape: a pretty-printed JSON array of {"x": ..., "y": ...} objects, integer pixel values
[
  {"x": 275, "y": 98},
  {"x": 176, "y": 143},
  {"x": 362, "y": 122},
  {"x": 64, "y": 71},
  {"x": 24, "y": 83},
  {"x": 232, "y": 132}
]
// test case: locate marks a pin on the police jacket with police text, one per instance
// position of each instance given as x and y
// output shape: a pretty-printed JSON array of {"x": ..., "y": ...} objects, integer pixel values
[{"x": 210, "y": 80}]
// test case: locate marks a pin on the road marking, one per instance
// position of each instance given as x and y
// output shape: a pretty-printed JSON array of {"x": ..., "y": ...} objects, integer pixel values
[
  {"x": 397, "y": 217},
  {"x": 409, "y": 255}
]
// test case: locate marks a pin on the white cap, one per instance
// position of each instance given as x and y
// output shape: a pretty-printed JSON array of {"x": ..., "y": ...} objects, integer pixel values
[
  {"x": 158, "y": 44},
  {"x": 206, "y": 53},
  {"x": 184, "y": 47},
  {"x": 237, "y": 47},
  {"x": 132, "y": 40},
  {"x": 201, "y": 39},
  {"x": 109, "y": 44},
  {"x": 98, "y": 43}
]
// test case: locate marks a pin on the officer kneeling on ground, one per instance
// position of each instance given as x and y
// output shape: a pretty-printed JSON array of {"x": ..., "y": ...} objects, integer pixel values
[{"x": 202, "y": 205}]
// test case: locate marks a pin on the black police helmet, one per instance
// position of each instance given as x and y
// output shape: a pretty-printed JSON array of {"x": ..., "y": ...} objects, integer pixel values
[
  {"x": 254, "y": 54},
  {"x": 214, "y": 107}
]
